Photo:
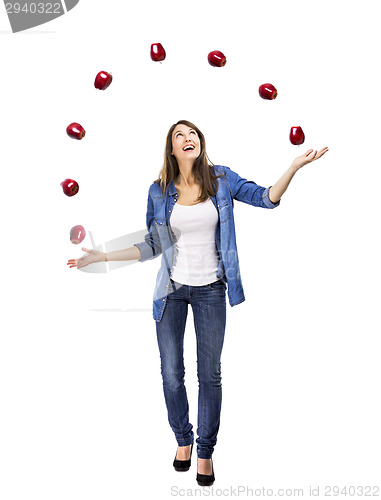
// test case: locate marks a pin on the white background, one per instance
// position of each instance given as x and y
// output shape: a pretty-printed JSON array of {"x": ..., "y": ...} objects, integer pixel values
[{"x": 82, "y": 408}]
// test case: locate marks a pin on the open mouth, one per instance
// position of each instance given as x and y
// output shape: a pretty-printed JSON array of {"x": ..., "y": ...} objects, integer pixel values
[{"x": 188, "y": 148}]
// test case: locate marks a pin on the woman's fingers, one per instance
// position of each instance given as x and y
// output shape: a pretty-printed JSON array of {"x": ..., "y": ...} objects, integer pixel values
[
  {"x": 310, "y": 154},
  {"x": 322, "y": 151},
  {"x": 75, "y": 262},
  {"x": 72, "y": 262},
  {"x": 315, "y": 154}
]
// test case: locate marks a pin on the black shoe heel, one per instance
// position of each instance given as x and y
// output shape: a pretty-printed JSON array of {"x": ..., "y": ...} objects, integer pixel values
[
  {"x": 205, "y": 479},
  {"x": 183, "y": 465}
]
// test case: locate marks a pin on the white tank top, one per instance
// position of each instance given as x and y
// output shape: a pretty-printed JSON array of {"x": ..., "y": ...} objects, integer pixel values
[{"x": 196, "y": 261}]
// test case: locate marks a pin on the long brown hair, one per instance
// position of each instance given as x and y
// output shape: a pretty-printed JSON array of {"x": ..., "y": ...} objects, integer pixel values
[{"x": 201, "y": 169}]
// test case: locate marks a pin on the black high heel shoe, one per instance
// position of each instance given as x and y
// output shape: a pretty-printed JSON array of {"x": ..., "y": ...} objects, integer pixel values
[
  {"x": 183, "y": 465},
  {"x": 205, "y": 479}
]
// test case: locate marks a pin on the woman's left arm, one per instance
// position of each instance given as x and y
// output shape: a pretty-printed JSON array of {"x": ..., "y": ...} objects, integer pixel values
[{"x": 276, "y": 191}]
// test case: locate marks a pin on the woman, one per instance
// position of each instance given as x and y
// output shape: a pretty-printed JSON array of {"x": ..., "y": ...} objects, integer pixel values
[{"x": 190, "y": 222}]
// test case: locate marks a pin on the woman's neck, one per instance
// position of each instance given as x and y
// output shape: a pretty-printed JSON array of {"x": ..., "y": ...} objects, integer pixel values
[{"x": 185, "y": 178}]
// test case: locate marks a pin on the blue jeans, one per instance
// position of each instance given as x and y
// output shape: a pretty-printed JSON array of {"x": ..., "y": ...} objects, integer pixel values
[{"x": 209, "y": 312}]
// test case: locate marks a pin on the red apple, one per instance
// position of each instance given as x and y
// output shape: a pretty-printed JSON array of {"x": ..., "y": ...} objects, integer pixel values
[
  {"x": 157, "y": 52},
  {"x": 296, "y": 136},
  {"x": 77, "y": 234},
  {"x": 102, "y": 80},
  {"x": 216, "y": 58},
  {"x": 70, "y": 187},
  {"x": 75, "y": 131},
  {"x": 267, "y": 91}
]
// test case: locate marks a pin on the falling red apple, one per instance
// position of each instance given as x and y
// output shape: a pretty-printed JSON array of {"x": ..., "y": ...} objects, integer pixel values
[
  {"x": 296, "y": 136},
  {"x": 267, "y": 91},
  {"x": 157, "y": 52},
  {"x": 102, "y": 80},
  {"x": 216, "y": 58},
  {"x": 75, "y": 131},
  {"x": 70, "y": 187},
  {"x": 77, "y": 234}
]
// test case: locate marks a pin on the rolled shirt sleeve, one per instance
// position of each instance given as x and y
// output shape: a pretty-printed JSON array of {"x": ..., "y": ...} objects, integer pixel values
[
  {"x": 145, "y": 250},
  {"x": 266, "y": 199}
]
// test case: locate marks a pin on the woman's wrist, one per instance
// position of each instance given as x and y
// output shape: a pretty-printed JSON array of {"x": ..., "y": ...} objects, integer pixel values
[
  {"x": 105, "y": 256},
  {"x": 294, "y": 168}
]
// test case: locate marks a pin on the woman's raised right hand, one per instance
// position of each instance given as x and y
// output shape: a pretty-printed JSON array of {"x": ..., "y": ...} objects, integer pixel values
[{"x": 94, "y": 256}]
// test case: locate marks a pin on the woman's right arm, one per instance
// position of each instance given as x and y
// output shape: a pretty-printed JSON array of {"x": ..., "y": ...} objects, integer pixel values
[
  {"x": 93, "y": 256},
  {"x": 132, "y": 253}
]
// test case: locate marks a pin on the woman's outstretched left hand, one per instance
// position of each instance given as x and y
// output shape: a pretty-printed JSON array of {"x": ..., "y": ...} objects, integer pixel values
[{"x": 308, "y": 157}]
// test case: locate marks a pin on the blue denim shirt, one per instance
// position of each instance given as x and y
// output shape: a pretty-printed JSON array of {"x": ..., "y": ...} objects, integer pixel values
[{"x": 160, "y": 239}]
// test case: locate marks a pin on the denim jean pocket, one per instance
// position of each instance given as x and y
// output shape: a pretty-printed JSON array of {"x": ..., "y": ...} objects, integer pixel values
[{"x": 217, "y": 285}]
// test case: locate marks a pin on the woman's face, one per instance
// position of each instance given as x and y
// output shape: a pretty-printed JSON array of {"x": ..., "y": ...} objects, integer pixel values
[{"x": 183, "y": 138}]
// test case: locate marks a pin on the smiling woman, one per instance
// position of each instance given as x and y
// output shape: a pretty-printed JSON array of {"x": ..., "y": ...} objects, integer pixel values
[{"x": 195, "y": 198}]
